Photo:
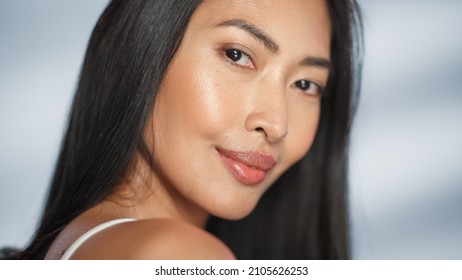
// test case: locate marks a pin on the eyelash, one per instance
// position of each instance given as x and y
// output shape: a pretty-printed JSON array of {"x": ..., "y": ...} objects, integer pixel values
[
  {"x": 306, "y": 85},
  {"x": 233, "y": 55}
]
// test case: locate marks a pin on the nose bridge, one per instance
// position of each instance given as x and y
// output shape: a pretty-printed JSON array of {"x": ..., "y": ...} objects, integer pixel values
[{"x": 268, "y": 114}]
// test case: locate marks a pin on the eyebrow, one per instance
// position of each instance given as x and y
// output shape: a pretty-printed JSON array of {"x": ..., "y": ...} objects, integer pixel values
[
  {"x": 254, "y": 31},
  {"x": 317, "y": 62},
  {"x": 270, "y": 44}
]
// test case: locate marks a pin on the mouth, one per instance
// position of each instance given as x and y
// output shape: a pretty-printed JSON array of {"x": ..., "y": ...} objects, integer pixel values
[{"x": 249, "y": 168}]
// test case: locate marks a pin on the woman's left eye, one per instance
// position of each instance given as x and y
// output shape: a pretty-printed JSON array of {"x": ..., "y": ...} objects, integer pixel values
[
  {"x": 309, "y": 87},
  {"x": 239, "y": 58}
]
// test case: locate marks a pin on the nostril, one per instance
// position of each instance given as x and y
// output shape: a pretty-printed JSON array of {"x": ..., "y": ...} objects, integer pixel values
[{"x": 260, "y": 129}]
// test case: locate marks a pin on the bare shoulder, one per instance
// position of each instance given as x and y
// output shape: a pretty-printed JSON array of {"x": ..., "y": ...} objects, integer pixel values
[{"x": 154, "y": 239}]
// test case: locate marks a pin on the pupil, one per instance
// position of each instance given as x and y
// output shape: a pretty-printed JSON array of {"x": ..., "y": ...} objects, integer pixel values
[
  {"x": 234, "y": 55},
  {"x": 303, "y": 84}
]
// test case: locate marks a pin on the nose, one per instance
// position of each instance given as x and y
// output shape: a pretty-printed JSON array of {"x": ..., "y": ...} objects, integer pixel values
[{"x": 268, "y": 114}]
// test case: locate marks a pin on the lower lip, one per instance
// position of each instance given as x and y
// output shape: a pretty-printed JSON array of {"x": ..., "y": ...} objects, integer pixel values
[{"x": 242, "y": 172}]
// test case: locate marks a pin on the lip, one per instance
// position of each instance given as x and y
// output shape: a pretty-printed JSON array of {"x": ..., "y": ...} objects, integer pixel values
[{"x": 250, "y": 167}]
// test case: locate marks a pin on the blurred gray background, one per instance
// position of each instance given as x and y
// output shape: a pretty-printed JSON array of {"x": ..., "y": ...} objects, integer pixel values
[{"x": 405, "y": 173}]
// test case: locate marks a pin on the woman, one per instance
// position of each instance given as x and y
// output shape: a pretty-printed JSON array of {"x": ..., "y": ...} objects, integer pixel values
[{"x": 188, "y": 113}]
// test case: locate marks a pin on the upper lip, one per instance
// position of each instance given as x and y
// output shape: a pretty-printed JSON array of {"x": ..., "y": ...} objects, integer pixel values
[{"x": 254, "y": 159}]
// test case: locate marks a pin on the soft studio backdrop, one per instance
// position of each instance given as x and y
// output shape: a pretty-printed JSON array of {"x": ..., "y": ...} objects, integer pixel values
[{"x": 406, "y": 160}]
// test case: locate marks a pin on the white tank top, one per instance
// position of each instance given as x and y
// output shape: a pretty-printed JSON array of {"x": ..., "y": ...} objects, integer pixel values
[{"x": 84, "y": 237}]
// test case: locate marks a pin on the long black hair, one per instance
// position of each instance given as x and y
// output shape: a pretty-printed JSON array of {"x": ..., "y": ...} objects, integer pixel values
[{"x": 302, "y": 216}]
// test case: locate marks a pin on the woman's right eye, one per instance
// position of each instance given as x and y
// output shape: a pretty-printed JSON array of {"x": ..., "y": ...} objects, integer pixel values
[{"x": 239, "y": 58}]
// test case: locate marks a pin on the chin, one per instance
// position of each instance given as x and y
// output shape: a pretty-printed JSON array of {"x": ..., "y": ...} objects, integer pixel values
[{"x": 234, "y": 211}]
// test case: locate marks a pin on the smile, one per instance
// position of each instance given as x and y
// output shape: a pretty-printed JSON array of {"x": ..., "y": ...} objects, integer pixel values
[{"x": 249, "y": 168}]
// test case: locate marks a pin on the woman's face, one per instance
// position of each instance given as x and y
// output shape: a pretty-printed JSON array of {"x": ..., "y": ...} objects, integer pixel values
[{"x": 240, "y": 101}]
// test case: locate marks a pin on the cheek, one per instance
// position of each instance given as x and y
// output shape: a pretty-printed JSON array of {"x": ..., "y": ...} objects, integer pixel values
[
  {"x": 302, "y": 127},
  {"x": 190, "y": 101}
]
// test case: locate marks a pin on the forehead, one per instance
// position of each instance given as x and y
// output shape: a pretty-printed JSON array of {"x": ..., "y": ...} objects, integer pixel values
[{"x": 294, "y": 23}]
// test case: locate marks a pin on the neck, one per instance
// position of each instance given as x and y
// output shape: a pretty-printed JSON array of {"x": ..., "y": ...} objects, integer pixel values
[{"x": 158, "y": 201}]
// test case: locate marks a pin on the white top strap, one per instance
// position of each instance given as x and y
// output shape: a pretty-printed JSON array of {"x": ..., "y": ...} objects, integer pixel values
[{"x": 71, "y": 250}]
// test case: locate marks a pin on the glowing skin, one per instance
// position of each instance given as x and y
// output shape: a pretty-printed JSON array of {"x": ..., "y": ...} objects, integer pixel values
[
  {"x": 229, "y": 88},
  {"x": 239, "y": 105}
]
